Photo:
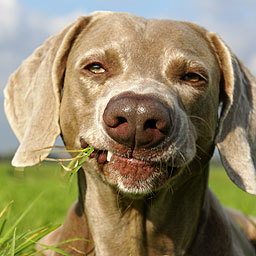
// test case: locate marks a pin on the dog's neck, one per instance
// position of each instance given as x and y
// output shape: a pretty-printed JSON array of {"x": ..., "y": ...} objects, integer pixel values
[{"x": 161, "y": 223}]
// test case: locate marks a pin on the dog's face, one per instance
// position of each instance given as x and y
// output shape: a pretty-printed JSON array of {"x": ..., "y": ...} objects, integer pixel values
[
  {"x": 144, "y": 94},
  {"x": 140, "y": 93}
]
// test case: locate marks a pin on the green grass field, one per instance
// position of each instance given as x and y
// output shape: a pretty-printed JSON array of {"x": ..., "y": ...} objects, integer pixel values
[
  {"x": 59, "y": 192},
  {"x": 229, "y": 194}
]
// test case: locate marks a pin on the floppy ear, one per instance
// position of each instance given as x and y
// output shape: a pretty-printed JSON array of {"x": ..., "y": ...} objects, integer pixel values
[
  {"x": 236, "y": 135},
  {"x": 32, "y": 96}
]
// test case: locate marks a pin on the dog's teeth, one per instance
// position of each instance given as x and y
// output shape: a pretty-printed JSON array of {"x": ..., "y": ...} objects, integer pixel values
[{"x": 109, "y": 156}]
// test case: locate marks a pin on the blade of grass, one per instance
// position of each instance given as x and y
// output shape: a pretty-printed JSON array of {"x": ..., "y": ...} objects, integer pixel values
[
  {"x": 73, "y": 240},
  {"x": 9, "y": 232},
  {"x": 13, "y": 242},
  {"x": 75, "y": 159},
  {"x": 74, "y": 164},
  {"x": 1, "y": 215},
  {"x": 27, "y": 253},
  {"x": 55, "y": 249},
  {"x": 82, "y": 161},
  {"x": 61, "y": 243},
  {"x": 61, "y": 151},
  {"x": 2, "y": 226},
  {"x": 34, "y": 237},
  {"x": 6, "y": 208}
]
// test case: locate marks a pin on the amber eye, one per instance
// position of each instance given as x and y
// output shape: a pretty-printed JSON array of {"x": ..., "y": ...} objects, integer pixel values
[
  {"x": 192, "y": 78},
  {"x": 95, "y": 68}
]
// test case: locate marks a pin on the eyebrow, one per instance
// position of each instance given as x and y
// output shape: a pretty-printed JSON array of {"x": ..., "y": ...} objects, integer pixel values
[
  {"x": 98, "y": 52},
  {"x": 94, "y": 52},
  {"x": 190, "y": 58}
]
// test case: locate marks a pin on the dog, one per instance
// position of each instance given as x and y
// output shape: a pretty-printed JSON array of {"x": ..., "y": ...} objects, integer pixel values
[{"x": 153, "y": 98}]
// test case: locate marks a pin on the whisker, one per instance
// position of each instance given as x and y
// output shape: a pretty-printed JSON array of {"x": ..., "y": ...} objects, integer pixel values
[
  {"x": 200, "y": 148},
  {"x": 184, "y": 160},
  {"x": 198, "y": 160},
  {"x": 118, "y": 198},
  {"x": 212, "y": 131},
  {"x": 201, "y": 119},
  {"x": 170, "y": 189},
  {"x": 203, "y": 136}
]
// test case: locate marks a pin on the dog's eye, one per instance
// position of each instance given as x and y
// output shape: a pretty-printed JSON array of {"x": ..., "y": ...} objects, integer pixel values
[
  {"x": 95, "y": 68},
  {"x": 193, "y": 78}
]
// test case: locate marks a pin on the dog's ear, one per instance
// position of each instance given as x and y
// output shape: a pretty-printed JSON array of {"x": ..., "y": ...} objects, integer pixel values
[
  {"x": 32, "y": 95},
  {"x": 236, "y": 134}
]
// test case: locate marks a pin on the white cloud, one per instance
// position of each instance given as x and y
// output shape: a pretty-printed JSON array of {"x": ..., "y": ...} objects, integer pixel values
[
  {"x": 13, "y": 16},
  {"x": 49, "y": 25},
  {"x": 8, "y": 18}
]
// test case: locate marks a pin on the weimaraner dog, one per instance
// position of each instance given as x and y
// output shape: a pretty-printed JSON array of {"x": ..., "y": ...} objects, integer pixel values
[{"x": 153, "y": 98}]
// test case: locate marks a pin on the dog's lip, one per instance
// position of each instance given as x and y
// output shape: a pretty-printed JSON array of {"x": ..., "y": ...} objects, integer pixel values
[
  {"x": 135, "y": 176},
  {"x": 132, "y": 175},
  {"x": 133, "y": 172},
  {"x": 139, "y": 169},
  {"x": 105, "y": 156}
]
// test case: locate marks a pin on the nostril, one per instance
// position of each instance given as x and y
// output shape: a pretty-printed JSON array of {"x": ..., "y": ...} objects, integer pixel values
[
  {"x": 115, "y": 122},
  {"x": 121, "y": 120},
  {"x": 150, "y": 124},
  {"x": 161, "y": 125}
]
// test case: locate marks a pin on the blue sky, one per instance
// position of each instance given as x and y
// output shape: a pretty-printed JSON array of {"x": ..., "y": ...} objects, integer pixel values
[
  {"x": 145, "y": 8},
  {"x": 25, "y": 24}
]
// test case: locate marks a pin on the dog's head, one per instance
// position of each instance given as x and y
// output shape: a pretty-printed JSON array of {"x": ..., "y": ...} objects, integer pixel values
[{"x": 143, "y": 93}]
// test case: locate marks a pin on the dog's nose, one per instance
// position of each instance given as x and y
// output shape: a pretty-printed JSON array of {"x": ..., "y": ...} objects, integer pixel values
[{"x": 137, "y": 121}]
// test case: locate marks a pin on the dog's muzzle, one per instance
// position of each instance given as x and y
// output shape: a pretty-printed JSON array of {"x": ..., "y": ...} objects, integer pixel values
[{"x": 140, "y": 127}]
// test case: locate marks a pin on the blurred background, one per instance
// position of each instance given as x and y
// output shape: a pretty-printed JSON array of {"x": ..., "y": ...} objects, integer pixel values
[{"x": 25, "y": 24}]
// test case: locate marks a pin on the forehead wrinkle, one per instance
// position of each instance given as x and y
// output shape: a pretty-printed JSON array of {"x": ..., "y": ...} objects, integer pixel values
[{"x": 117, "y": 26}]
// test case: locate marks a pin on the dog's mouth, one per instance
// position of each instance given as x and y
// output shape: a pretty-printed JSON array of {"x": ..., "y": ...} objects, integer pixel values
[{"x": 131, "y": 175}]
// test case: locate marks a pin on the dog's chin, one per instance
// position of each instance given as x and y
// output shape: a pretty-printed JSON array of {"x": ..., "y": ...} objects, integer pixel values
[{"x": 132, "y": 176}]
